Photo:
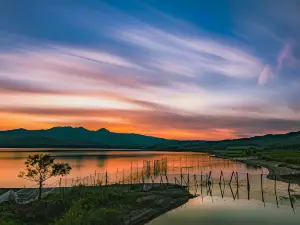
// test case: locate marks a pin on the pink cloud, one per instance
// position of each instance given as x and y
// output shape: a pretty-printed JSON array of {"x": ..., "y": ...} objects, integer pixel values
[
  {"x": 284, "y": 54},
  {"x": 266, "y": 75}
]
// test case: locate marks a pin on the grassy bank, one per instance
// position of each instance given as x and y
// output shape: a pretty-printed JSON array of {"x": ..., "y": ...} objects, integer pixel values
[
  {"x": 284, "y": 156},
  {"x": 101, "y": 206},
  {"x": 283, "y": 165}
]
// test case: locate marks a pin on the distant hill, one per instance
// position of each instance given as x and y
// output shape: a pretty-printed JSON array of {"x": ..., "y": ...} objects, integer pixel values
[
  {"x": 80, "y": 137},
  {"x": 75, "y": 137},
  {"x": 270, "y": 141}
]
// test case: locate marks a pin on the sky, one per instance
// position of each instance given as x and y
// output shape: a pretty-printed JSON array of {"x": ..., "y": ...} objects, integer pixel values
[{"x": 180, "y": 69}]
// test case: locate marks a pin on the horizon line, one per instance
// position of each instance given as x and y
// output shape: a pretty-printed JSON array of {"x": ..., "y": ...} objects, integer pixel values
[{"x": 103, "y": 128}]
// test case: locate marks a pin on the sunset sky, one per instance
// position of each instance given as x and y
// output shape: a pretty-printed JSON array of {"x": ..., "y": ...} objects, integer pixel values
[{"x": 184, "y": 69}]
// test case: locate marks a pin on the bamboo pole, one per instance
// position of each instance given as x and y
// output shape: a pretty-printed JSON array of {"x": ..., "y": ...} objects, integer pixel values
[
  {"x": 275, "y": 187},
  {"x": 181, "y": 176},
  {"x": 123, "y": 177},
  {"x": 291, "y": 200},
  {"x": 221, "y": 175},
  {"x": 188, "y": 178},
  {"x": 117, "y": 176},
  {"x": 289, "y": 186},
  {"x": 275, "y": 180},
  {"x": 131, "y": 175},
  {"x": 106, "y": 178},
  {"x": 248, "y": 186},
  {"x": 262, "y": 189},
  {"x": 60, "y": 187},
  {"x": 233, "y": 196},
  {"x": 201, "y": 179},
  {"x": 137, "y": 172},
  {"x": 231, "y": 178}
]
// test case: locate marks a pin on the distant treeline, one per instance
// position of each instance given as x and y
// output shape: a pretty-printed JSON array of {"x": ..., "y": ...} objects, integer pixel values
[{"x": 270, "y": 141}]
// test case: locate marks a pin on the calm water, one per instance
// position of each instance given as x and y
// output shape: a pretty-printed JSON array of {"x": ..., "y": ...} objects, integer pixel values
[
  {"x": 88, "y": 161},
  {"x": 226, "y": 211},
  {"x": 220, "y": 203}
]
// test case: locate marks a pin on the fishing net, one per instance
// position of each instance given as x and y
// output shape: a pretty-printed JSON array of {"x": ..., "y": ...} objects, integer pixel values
[{"x": 27, "y": 195}]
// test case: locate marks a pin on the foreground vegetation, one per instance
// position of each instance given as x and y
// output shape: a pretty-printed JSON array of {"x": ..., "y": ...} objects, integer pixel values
[{"x": 93, "y": 205}]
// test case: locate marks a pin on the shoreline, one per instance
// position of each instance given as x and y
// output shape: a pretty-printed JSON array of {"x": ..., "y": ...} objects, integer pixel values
[
  {"x": 162, "y": 200},
  {"x": 284, "y": 172}
]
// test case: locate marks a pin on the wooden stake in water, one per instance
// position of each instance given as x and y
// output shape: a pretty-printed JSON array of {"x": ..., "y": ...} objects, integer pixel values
[
  {"x": 289, "y": 186},
  {"x": 188, "y": 177},
  {"x": 210, "y": 179},
  {"x": 123, "y": 177},
  {"x": 231, "y": 178},
  {"x": 221, "y": 175},
  {"x": 181, "y": 176},
  {"x": 262, "y": 189},
  {"x": 275, "y": 190},
  {"x": 186, "y": 163},
  {"x": 161, "y": 180},
  {"x": 117, "y": 176},
  {"x": 173, "y": 164},
  {"x": 167, "y": 180},
  {"x": 248, "y": 186},
  {"x": 131, "y": 175},
  {"x": 201, "y": 183},
  {"x": 275, "y": 180},
  {"x": 180, "y": 162},
  {"x": 106, "y": 178},
  {"x": 137, "y": 172},
  {"x": 60, "y": 187}
]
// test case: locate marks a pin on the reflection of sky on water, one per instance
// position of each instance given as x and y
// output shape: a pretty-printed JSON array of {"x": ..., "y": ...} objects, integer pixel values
[
  {"x": 228, "y": 212},
  {"x": 101, "y": 162},
  {"x": 86, "y": 162}
]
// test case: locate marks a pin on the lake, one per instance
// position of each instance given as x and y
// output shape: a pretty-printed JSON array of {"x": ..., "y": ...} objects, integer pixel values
[
  {"x": 90, "y": 161},
  {"x": 226, "y": 201},
  {"x": 226, "y": 211}
]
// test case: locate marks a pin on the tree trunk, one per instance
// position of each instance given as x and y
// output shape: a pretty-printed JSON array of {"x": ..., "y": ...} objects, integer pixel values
[{"x": 40, "y": 189}]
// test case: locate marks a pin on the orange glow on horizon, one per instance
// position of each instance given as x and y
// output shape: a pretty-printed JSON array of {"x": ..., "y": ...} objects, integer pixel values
[{"x": 32, "y": 122}]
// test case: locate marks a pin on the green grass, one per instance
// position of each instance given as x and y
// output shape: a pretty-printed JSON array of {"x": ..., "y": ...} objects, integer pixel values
[
  {"x": 112, "y": 205},
  {"x": 285, "y": 156},
  {"x": 79, "y": 206}
]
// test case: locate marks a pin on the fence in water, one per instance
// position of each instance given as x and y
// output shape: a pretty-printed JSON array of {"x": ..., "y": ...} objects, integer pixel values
[{"x": 199, "y": 178}]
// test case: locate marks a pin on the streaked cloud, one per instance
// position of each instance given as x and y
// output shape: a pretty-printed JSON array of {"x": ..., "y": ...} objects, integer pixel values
[
  {"x": 151, "y": 70},
  {"x": 189, "y": 55}
]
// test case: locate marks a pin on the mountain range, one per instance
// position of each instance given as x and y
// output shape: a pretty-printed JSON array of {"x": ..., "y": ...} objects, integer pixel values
[
  {"x": 69, "y": 137},
  {"x": 74, "y": 137}
]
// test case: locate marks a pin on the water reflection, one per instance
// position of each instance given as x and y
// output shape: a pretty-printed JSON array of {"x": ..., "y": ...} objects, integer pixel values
[
  {"x": 89, "y": 161},
  {"x": 226, "y": 211}
]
